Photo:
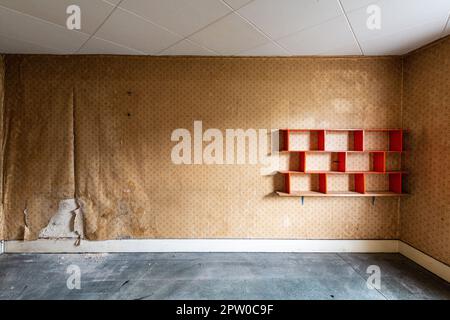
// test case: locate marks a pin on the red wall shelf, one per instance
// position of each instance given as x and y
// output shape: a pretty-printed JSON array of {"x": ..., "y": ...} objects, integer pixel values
[{"x": 318, "y": 139}]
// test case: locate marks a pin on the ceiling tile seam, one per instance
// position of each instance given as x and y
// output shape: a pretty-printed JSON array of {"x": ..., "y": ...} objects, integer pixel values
[
  {"x": 98, "y": 28},
  {"x": 147, "y": 20},
  {"x": 189, "y": 40},
  {"x": 445, "y": 25},
  {"x": 32, "y": 43},
  {"x": 41, "y": 20},
  {"x": 350, "y": 26},
  {"x": 116, "y": 44},
  {"x": 188, "y": 37},
  {"x": 361, "y": 6},
  {"x": 172, "y": 32},
  {"x": 245, "y": 4},
  {"x": 263, "y": 33},
  {"x": 260, "y": 45},
  {"x": 201, "y": 29},
  {"x": 308, "y": 27}
]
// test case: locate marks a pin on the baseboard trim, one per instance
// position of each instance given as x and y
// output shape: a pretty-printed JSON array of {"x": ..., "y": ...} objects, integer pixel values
[
  {"x": 200, "y": 245},
  {"x": 438, "y": 268}
]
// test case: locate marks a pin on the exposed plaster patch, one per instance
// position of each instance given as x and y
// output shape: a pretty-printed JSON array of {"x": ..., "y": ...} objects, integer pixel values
[{"x": 66, "y": 223}]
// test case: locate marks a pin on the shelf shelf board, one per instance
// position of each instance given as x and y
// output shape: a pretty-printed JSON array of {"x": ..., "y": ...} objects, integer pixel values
[
  {"x": 341, "y": 194},
  {"x": 339, "y": 172}
]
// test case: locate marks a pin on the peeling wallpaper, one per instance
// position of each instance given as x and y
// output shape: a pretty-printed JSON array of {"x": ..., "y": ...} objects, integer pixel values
[{"x": 425, "y": 215}]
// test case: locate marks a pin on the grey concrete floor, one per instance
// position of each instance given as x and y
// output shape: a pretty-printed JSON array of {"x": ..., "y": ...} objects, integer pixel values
[{"x": 216, "y": 276}]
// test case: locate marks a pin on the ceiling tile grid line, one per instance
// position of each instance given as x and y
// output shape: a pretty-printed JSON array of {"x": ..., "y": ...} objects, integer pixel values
[
  {"x": 329, "y": 17},
  {"x": 350, "y": 27},
  {"x": 446, "y": 26},
  {"x": 181, "y": 38},
  {"x": 162, "y": 52},
  {"x": 59, "y": 27},
  {"x": 38, "y": 20},
  {"x": 101, "y": 24},
  {"x": 188, "y": 37},
  {"x": 263, "y": 33}
]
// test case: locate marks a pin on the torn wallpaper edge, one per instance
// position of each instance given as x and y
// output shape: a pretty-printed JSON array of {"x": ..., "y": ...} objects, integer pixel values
[{"x": 2, "y": 141}]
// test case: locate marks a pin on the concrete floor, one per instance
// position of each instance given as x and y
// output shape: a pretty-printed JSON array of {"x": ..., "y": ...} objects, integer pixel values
[{"x": 216, "y": 276}]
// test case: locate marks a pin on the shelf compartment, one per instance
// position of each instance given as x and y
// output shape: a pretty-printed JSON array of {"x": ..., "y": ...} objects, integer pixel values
[
  {"x": 384, "y": 139},
  {"x": 303, "y": 140},
  {"x": 345, "y": 140},
  {"x": 300, "y": 182},
  {"x": 393, "y": 161},
  {"x": 346, "y": 183},
  {"x": 389, "y": 182},
  {"x": 358, "y": 161}
]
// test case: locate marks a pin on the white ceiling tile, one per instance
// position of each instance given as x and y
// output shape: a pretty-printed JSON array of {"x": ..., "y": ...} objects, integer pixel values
[
  {"x": 8, "y": 45},
  {"x": 93, "y": 12},
  {"x": 332, "y": 37},
  {"x": 268, "y": 49},
  {"x": 129, "y": 30},
  {"x": 25, "y": 28},
  {"x": 100, "y": 46},
  {"x": 398, "y": 43},
  {"x": 350, "y": 5},
  {"x": 229, "y": 35},
  {"x": 236, "y": 4},
  {"x": 180, "y": 16},
  {"x": 187, "y": 48},
  {"x": 400, "y": 18},
  {"x": 283, "y": 17}
]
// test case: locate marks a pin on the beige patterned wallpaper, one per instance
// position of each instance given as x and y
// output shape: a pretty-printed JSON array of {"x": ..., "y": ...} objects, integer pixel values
[
  {"x": 99, "y": 128},
  {"x": 425, "y": 215},
  {"x": 2, "y": 84}
]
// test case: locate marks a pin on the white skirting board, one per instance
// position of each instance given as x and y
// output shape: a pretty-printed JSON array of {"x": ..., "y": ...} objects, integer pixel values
[
  {"x": 201, "y": 245},
  {"x": 230, "y": 245},
  {"x": 438, "y": 268}
]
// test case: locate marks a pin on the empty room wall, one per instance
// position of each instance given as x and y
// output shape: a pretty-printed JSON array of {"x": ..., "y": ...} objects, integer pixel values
[
  {"x": 99, "y": 129},
  {"x": 425, "y": 215},
  {"x": 2, "y": 85}
]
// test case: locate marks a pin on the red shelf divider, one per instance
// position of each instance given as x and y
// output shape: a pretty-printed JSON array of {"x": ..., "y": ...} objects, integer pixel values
[
  {"x": 379, "y": 161},
  {"x": 360, "y": 183},
  {"x": 342, "y": 161},
  {"x": 396, "y": 140},
  {"x": 358, "y": 140},
  {"x": 395, "y": 182},
  {"x": 302, "y": 161},
  {"x": 323, "y": 183}
]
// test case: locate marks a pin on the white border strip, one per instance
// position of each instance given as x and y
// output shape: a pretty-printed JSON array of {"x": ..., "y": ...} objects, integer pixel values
[
  {"x": 429, "y": 263},
  {"x": 200, "y": 245}
]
